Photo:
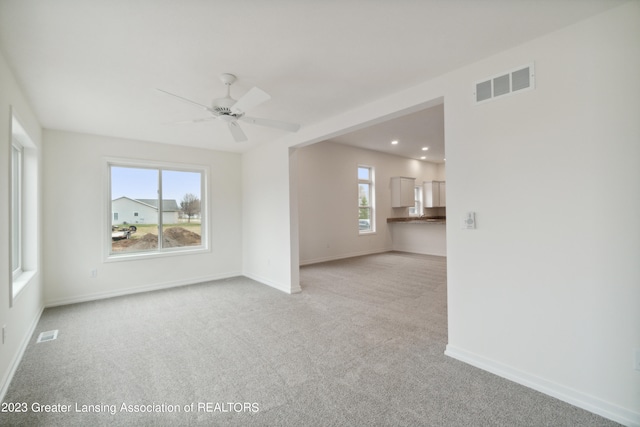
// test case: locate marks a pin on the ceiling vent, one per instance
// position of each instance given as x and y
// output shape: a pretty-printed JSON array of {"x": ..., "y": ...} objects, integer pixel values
[
  {"x": 517, "y": 80},
  {"x": 48, "y": 336}
]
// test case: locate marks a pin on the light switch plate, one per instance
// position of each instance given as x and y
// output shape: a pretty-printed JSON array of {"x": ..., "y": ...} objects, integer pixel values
[{"x": 469, "y": 220}]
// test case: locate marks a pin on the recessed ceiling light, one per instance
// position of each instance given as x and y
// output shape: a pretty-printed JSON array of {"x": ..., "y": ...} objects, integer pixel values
[
  {"x": 394, "y": 142},
  {"x": 423, "y": 157},
  {"x": 425, "y": 148}
]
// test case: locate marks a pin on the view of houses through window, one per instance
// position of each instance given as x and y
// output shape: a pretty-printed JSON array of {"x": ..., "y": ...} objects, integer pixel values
[
  {"x": 155, "y": 209},
  {"x": 366, "y": 223}
]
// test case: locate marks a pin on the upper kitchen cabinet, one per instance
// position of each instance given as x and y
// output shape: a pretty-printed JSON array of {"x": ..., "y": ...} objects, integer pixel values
[
  {"x": 402, "y": 192},
  {"x": 435, "y": 194}
]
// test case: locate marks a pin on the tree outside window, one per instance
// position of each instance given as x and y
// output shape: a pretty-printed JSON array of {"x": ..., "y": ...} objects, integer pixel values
[{"x": 190, "y": 206}]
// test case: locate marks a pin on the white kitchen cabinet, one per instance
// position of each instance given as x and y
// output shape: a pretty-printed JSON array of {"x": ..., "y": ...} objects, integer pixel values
[
  {"x": 435, "y": 194},
  {"x": 402, "y": 192}
]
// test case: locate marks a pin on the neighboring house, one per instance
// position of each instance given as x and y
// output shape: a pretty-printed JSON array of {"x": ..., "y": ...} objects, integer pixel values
[{"x": 143, "y": 211}]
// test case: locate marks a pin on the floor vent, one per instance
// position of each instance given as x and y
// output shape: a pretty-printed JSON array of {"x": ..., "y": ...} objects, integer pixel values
[
  {"x": 48, "y": 336},
  {"x": 514, "y": 81}
]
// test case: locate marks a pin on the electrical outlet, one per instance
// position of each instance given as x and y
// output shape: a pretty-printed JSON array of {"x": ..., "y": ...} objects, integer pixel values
[{"x": 636, "y": 362}]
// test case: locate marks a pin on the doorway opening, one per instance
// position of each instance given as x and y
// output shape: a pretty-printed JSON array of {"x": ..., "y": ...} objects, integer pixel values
[{"x": 327, "y": 191}]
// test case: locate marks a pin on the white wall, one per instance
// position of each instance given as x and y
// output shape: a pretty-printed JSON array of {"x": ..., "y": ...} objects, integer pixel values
[
  {"x": 21, "y": 317},
  {"x": 327, "y": 199},
  {"x": 267, "y": 255},
  {"x": 74, "y": 238},
  {"x": 545, "y": 291}
]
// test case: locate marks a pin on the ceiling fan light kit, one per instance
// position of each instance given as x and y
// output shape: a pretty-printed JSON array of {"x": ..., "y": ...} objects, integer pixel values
[{"x": 230, "y": 111}]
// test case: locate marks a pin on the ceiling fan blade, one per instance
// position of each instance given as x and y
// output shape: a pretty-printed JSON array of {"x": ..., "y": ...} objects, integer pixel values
[
  {"x": 186, "y": 99},
  {"x": 250, "y": 100},
  {"x": 237, "y": 132},
  {"x": 291, "y": 127}
]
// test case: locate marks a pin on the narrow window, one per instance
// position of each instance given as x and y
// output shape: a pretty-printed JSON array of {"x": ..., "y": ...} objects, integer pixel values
[
  {"x": 156, "y": 209},
  {"x": 16, "y": 209},
  {"x": 366, "y": 202},
  {"x": 24, "y": 208},
  {"x": 416, "y": 210}
]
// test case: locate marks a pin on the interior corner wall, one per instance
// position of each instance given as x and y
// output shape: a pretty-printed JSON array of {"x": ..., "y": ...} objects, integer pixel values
[
  {"x": 266, "y": 217},
  {"x": 545, "y": 290},
  {"x": 327, "y": 199},
  {"x": 75, "y": 200},
  {"x": 21, "y": 318}
]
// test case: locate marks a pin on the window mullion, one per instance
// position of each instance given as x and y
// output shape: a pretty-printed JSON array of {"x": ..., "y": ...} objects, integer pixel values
[{"x": 160, "y": 213}]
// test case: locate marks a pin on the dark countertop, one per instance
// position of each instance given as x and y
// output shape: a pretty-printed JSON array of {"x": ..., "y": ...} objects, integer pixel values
[{"x": 418, "y": 220}]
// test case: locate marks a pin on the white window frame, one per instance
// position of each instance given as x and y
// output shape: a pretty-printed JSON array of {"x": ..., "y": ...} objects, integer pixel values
[
  {"x": 24, "y": 229},
  {"x": 160, "y": 252},
  {"x": 371, "y": 198},
  {"x": 16, "y": 208}
]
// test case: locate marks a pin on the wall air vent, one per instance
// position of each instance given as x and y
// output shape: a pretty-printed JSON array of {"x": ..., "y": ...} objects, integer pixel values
[
  {"x": 517, "y": 80},
  {"x": 48, "y": 336}
]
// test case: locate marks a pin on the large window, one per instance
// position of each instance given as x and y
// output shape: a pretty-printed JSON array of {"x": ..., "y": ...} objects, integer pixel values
[
  {"x": 24, "y": 208},
  {"x": 366, "y": 202},
  {"x": 156, "y": 208}
]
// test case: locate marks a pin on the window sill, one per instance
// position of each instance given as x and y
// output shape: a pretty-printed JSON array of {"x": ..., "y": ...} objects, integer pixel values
[
  {"x": 131, "y": 256},
  {"x": 21, "y": 282}
]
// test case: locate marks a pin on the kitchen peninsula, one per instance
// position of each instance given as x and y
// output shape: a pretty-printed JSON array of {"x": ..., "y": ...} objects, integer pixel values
[{"x": 422, "y": 235}]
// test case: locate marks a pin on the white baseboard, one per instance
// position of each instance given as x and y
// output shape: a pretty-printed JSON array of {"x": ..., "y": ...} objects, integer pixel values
[
  {"x": 342, "y": 256},
  {"x": 566, "y": 394},
  {"x": 17, "y": 358},
  {"x": 271, "y": 283},
  {"x": 418, "y": 250},
  {"x": 138, "y": 289}
]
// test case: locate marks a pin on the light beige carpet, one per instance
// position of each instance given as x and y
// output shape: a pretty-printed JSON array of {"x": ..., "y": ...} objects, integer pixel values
[{"x": 362, "y": 345}]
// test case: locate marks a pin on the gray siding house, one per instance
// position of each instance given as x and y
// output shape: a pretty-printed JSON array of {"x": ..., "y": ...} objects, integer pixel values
[{"x": 143, "y": 211}]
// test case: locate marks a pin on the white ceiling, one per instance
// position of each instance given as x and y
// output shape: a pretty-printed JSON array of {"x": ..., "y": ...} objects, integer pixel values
[
  {"x": 413, "y": 132},
  {"x": 93, "y": 65}
]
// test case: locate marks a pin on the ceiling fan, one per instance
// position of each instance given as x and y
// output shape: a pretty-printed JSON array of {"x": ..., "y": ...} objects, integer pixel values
[{"x": 231, "y": 111}]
